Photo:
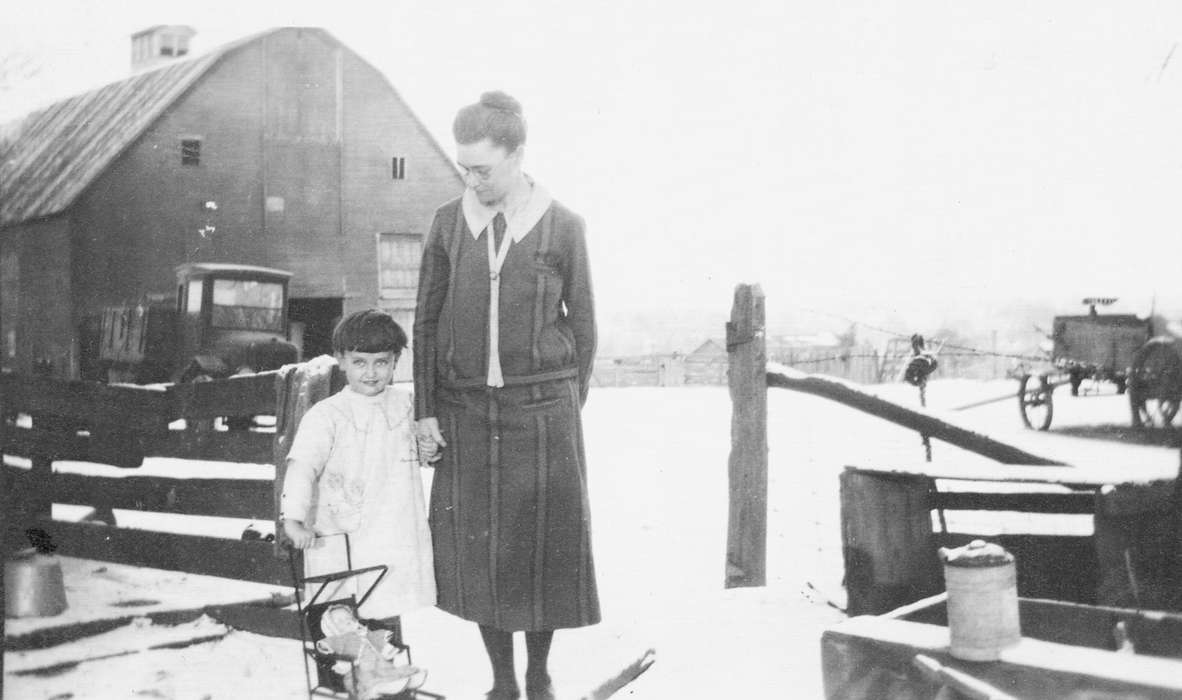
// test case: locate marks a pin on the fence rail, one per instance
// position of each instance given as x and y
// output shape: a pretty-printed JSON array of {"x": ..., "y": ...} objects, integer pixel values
[{"x": 47, "y": 420}]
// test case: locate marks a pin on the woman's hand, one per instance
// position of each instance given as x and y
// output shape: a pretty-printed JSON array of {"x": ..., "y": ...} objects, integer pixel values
[
  {"x": 430, "y": 440},
  {"x": 301, "y": 536},
  {"x": 430, "y": 428}
]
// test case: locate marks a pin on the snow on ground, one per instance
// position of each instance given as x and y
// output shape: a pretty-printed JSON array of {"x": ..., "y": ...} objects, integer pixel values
[{"x": 658, "y": 479}]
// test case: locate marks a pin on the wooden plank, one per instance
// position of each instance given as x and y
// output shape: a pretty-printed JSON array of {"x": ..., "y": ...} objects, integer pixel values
[
  {"x": 89, "y": 403},
  {"x": 1153, "y": 633},
  {"x": 871, "y": 657},
  {"x": 37, "y": 502},
  {"x": 258, "y": 619},
  {"x": 1041, "y": 562},
  {"x": 922, "y": 421},
  {"x": 1082, "y": 477},
  {"x": 227, "y": 498},
  {"x": 220, "y": 446},
  {"x": 746, "y": 543},
  {"x": 960, "y": 683},
  {"x": 887, "y": 545},
  {"x": 245, "y": 395},
  {"x": 7, "y": 536},
  {"x": 1062, "y": 503},
  {"x": 212, "y": 556},
  {"x": 121, "y": 449},
  {"x": 128, "y": 449}
]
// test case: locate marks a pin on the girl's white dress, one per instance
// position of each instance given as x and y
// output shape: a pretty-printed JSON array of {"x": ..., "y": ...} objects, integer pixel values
[{"x": 353, "y": 468}]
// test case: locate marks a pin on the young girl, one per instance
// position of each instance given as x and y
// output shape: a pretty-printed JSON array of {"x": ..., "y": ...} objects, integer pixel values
[{"x": 354, "y": 468}]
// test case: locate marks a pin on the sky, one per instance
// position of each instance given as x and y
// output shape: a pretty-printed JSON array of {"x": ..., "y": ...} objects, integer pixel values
[{"x": 890, "y": 162}]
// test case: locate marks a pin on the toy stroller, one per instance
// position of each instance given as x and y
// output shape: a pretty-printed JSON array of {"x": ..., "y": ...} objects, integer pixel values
[{"x": 352, "y": 659}]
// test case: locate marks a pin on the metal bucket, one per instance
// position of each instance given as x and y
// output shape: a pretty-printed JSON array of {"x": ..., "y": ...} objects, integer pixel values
[
  {"x": 982, "y": 585},
  {"x": 33, "y": 585}
]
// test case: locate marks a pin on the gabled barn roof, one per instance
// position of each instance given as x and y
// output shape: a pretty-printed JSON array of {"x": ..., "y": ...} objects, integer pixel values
[{"x": 48, "y": 157}]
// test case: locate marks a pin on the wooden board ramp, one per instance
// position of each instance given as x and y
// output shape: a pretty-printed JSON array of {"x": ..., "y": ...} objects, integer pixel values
[
  {"x": 103, "y": 596},
  {"x": 628, "y": 674}
]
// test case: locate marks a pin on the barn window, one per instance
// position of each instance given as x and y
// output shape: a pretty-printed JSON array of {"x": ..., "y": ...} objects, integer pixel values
[
  {"x": 190, "y": 151},
  {"x": 399, "y": 255},
  {"x": 398, "y": 168}
]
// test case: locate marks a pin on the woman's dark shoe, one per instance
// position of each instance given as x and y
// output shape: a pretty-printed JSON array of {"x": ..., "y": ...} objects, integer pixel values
[{"x": 496, "y": 693}]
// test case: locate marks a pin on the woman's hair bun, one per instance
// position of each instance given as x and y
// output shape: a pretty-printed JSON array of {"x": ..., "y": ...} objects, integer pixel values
[{"x": 495, "y": 99}]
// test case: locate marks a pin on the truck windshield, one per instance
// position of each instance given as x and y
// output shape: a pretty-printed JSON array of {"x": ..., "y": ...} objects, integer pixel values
[{"x": 248, "y": 305}]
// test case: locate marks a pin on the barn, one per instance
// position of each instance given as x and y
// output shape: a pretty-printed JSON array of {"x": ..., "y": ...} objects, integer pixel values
[{"x": 284, "y": 149}]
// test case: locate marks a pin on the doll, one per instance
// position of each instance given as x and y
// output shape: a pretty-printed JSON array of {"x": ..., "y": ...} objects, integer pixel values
[{"x": 365, "y": 657}]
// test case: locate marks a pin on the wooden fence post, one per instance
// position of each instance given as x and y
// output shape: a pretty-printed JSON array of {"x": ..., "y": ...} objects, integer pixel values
[
  {"x": 746, "y": 542},
  {"x": 886, "y": 541},
  {"x": 5, "y": 513}
]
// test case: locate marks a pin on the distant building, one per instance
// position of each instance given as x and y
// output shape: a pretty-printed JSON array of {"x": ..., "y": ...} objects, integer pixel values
[
  {"x": 284, "y": 149},
  {"x": 823, "y": 353},
  {"x": 707, "y": 363}
]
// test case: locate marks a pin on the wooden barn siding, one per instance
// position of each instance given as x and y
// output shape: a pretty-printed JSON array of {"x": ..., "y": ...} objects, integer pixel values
[
  {"x": 378, "y": 127},
  {"x": 40, "y": 310},
  {"x": 304, "y": 166},
  {"x": 142, "y": 217}
]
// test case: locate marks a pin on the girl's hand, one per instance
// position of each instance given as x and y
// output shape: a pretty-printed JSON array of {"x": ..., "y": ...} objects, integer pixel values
[
  {"x": 429, "y": 427},
  {"x": 301, "y": 536},
  {"x": 429, "y": 451}
]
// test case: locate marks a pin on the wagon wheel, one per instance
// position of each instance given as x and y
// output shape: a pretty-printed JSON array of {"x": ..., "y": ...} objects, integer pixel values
[
  {"x": 1034, "y": 401},
  {"x": 1155, "y": 386}
]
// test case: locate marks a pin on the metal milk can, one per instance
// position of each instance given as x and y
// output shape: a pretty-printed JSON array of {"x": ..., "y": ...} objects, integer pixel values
[
  {"x": 33, "y": 585},
  {"x": 982, "y": 586}
]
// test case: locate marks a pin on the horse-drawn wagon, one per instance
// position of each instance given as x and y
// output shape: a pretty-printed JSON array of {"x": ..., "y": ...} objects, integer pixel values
[{"x": 1123, "y": 350}]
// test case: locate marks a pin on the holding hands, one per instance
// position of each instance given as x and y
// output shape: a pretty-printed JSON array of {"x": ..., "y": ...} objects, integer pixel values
[{"x": 430, "y": 440}]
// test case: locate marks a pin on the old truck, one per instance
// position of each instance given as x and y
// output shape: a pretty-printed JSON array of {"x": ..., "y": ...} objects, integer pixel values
[{"x": 225, "y": 319}]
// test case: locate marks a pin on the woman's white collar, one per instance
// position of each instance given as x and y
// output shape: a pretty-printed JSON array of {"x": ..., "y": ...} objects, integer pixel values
[{"x": 522, "y": 222}]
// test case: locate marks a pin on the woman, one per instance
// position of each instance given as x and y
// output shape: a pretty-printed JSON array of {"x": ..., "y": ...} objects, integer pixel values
[{"x": 504, "y": 340}]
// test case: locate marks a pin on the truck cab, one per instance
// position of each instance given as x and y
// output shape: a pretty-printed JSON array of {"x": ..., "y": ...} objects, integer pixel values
[
  {"x": 231, "y": 319},
  {"x": 226, "y": 319}
]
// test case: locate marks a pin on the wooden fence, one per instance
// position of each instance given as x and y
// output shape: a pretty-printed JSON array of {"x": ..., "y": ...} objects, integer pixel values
[
  {"x": 888, "y": 540},
  {"x": 47, "y": 420}
]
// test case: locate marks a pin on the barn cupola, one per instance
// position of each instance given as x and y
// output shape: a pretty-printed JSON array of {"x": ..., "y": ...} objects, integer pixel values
[{"x": 160, "y": 44}]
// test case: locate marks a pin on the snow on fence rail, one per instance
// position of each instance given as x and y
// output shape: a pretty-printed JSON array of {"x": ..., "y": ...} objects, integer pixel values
[{"x": 120, "y": 425}]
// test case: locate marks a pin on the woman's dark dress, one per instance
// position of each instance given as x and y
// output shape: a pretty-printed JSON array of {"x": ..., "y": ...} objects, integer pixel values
[{"x": 509, "y": 513}]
